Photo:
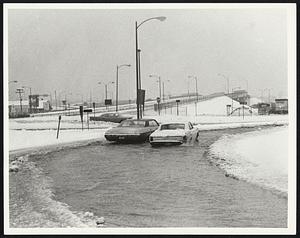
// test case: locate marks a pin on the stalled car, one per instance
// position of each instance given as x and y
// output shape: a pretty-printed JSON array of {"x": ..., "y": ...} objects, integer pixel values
[
  {"x": 132, "y": 130},
  {"x": 111, "y": 117},
  {"x": 174, "y": 133}
]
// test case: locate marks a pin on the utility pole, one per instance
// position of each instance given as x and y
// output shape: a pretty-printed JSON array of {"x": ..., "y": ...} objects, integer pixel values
[
  {"x": 55, "y": 100},
  {"x": 140, "y": 81},
  {"x": 90, "y": 98},
  {"x": 20, "y": 91},
  {"x": 137, "y": 71},
  {"x": 163, "y": 96},
  {"x": 159, "y": 81}
]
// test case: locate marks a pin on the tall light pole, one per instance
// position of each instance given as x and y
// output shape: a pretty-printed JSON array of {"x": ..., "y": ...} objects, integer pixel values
[
  {"x": 227, "y": 79},
  {"x": 138, "y": 84},
  {"x": 117, "y": 82},
  {"x": 195, "y": 77},
  {"x": 159, "y": 83},
  {"x": 105, "y": 86},
  {"x": 163, "y": 88}
]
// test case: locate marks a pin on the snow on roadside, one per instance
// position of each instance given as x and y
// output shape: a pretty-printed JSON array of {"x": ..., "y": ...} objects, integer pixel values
[
  {"x": 223, "y": 122},
  {"x": 260, "y": 157},
  {"x": 25, "y": 139}
]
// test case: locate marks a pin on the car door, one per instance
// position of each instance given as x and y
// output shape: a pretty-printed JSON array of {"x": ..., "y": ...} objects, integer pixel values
[
  {"x": 188, "y": 132},
  {"x": 193, "y": 131},
  {"x": 154, "y": 125}
]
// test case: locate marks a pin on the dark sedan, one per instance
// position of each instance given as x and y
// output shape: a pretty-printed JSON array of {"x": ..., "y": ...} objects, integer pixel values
[
  {"x": 132, "y": 130},
  {"x": 111, "y": 117}
]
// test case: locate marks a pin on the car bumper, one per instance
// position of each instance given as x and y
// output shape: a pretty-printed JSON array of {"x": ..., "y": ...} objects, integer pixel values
[
  {"x": 126, "y": 138},
  {"x": 166, "y": 142}
]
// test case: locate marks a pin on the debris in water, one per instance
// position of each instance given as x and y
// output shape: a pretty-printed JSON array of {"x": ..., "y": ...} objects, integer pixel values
[
  {"x": 14, "y": 168},
  {"x": 88, "y": 214},
  {"x": 100, "y": 221}
]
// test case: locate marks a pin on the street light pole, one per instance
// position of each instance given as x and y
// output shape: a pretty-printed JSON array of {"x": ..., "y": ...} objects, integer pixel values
[
  {"x": 159, "y": 83},
  {"x": 137, "y": 72},
  {"x": 227, "y": 79},
  {"x": 163, "y": 87},
  {"x": 117, "y": 83},
  {"x": 196, "y": 79},
  {"x": 138, "y": 83}
]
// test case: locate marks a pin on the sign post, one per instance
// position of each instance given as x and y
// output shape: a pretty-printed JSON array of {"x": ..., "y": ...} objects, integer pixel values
[
  {"x": 94, "y": 106},
  {"x": 158, "y": 104},
  {"x": 177, "y": 102},
  {"x": 228, "y": 106},
  {"x": 87, "y": 116},
  {"x": 59, "y": 118},
  {"x": 81, "y": 115},
  {"x": 107, "y": 102}
]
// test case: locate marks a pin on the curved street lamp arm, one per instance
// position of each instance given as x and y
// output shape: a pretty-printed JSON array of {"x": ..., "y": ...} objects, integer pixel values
[
  {"x": 122, "y": 65},
  {"x": 152, "y": 18}
]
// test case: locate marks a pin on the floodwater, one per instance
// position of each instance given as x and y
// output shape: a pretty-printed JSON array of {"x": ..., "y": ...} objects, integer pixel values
[{"x": 135, "y": 185}]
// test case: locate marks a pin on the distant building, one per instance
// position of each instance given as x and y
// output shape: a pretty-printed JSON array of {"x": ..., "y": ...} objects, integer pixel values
[
  {"x": 281, "y": 106},
  {"x": 241, "y": 96},
  {"x": 17, "y": 109},
  {"x": 39, "y": 103},
  {"x": 263, "y": 108}
]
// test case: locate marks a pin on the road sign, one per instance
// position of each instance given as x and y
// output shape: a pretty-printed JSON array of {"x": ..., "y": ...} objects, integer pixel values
[
  {"x": 158, "y": 99},
  {"x": 141, "y": 96},
  {"x": 177, "y": 100},
  {"x": 108, "y": 102},
  {"x": 88, "y": 110}
]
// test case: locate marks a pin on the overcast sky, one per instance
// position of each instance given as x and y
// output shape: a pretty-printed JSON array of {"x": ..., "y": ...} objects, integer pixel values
[{"x": 72, "y": 50}]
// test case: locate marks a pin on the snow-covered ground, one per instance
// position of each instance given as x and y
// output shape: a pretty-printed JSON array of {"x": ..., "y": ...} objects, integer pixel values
[
  {"x": 27, "y": 139},
  {"x": 260, "y": 157},
  {"x": 39, "y": 131}
]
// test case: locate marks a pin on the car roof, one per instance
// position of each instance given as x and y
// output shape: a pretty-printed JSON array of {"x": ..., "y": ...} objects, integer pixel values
[
  {"x": 142, "y": 119},
  {"x": 175, "y": 122}
]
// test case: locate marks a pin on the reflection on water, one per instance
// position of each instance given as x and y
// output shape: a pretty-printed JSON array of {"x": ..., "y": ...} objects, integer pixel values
[{"x": 141, "y": 186}]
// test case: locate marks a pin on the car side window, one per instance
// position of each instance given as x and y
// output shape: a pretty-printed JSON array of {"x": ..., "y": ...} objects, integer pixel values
[{"x": 153, "y": 123}]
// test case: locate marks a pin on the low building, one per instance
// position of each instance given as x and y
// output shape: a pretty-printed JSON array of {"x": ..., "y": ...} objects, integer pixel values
[
  {"x": 281, "y": 106},
  {"x": 39, "y": 103},
  {"x": 263, "y": 108},
  {"x": 18, "y": 109}
]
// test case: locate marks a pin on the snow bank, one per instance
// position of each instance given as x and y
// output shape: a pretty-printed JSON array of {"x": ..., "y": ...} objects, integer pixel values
[
  {"x": 260, "y": 157},
  {"x": 214, "y": 106},
  {"x": 25, "y": 139},
  {"x": 221, "y": 122}
]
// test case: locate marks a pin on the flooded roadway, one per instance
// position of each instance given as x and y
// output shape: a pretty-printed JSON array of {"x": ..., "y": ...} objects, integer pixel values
[{"x": 140, "y": 186}]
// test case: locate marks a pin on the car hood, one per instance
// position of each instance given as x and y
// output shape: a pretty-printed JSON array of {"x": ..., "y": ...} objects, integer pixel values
[
  {"x": 126, "y": 130},
  {"x": 178, "y": 132}
]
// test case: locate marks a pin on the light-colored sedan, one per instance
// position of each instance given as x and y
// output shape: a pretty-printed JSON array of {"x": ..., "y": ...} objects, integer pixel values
[{"x": 174, "y": 133}]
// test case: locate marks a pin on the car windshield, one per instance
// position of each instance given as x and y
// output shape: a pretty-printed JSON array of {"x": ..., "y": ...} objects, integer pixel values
[
  {"x": 173, "y": 126},
  {"x": 132, "y": 124}
]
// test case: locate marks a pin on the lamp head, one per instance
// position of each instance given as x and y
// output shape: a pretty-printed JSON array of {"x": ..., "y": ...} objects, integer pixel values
[{"x": 162, "y": 18}]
